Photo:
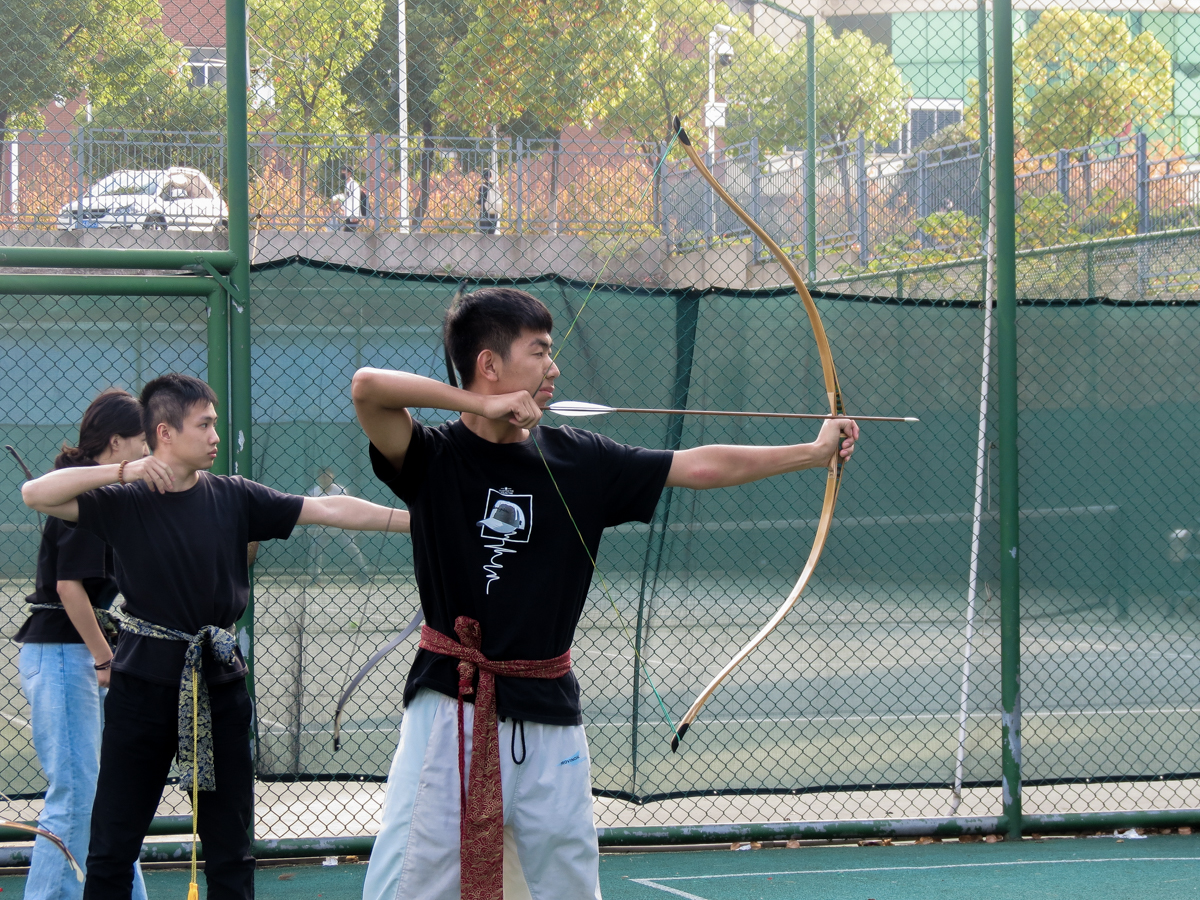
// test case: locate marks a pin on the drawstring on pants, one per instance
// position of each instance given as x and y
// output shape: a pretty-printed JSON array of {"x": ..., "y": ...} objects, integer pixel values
[{"x": 513, "y": 742}]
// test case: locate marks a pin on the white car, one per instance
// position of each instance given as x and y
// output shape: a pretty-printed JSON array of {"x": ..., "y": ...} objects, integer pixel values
[{"x": 173, "y": 199}]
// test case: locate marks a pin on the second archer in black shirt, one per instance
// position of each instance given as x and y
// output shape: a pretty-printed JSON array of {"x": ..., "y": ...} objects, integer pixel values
[{"x": 179, "y": 535}]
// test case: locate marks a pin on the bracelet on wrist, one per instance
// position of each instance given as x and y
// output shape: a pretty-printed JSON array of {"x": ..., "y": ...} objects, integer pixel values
[
  {"x": 100, "y": 667},
  {"x": 121, "y": 471}
]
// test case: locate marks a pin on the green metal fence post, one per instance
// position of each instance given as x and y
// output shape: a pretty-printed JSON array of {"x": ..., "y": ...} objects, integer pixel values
[
  {"x": 1006, "y": 385},
  {"x": 238, "y": 186},
  {"x": 218, "y": 371},
  {"x": 985, "y": 142},
  {"x": 810, "y": 142}
]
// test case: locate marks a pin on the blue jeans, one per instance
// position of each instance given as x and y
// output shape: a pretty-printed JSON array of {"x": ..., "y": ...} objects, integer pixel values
[{"x": 59, "y": 682}]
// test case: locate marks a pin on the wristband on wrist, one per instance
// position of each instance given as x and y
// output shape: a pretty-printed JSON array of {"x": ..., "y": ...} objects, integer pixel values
[
  {"x": 121, "y": 471},
  {"x": 100, "y": 667}
]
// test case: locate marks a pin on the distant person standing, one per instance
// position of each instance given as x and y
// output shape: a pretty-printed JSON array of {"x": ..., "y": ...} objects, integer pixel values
[
  {"x": 322, "y": 535},
  {"x": 353, "y": 201},
  {"x": 491, "y": 203}
]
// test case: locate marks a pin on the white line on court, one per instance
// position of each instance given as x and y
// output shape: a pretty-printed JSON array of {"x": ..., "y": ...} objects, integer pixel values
[
  {"x": 654, "y": 882},
  {"x": 842, "y": 720},
  {"x": 646, "y": 882},
  {"x": 930, "y": 717}
]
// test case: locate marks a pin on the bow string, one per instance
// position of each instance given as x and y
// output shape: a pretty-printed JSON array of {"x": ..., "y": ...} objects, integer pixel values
[{"x": 639, "y": 660}]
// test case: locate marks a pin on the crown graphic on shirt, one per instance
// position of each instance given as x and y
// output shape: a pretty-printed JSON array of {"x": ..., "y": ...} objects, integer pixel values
[{"x": 506, "y": 491}]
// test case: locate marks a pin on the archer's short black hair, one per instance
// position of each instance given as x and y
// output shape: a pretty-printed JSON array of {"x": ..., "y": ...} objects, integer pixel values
[
  {"x": 489, "y": 319},
  {"x": 168, "y": 398}
]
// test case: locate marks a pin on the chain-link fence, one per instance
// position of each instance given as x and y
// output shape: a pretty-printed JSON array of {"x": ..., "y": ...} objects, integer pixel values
[{"x": 400, "y": 153}]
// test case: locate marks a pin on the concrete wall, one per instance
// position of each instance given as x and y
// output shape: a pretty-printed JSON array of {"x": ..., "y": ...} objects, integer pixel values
[{"x": 644, "y": 263}]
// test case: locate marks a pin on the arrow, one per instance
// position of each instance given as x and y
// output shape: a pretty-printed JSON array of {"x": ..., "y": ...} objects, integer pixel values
[{"x": 580, "y": 408}]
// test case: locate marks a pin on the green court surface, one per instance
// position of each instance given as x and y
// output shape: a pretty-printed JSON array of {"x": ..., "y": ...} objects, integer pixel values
[{"x": 1164, "y": 867}]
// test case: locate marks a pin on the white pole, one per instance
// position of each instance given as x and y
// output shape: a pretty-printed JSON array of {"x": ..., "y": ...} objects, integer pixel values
[
  {"x": 14, "y": 173},
  {"x": 402, "y": 100},
  {"x": 981, "y": 446},
  {"x": 712, "y": 131}
]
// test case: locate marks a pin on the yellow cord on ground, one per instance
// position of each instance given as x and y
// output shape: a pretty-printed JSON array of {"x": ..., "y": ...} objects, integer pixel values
[{"x": 194, "y": 886}]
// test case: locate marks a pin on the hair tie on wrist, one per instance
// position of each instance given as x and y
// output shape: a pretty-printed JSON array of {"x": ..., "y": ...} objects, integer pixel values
[
  {"x": 100, "y": 667},
  {"x": 121, "y": 471}
]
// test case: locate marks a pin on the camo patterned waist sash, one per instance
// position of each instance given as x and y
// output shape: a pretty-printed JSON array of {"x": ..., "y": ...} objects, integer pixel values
[
  {"x": 224, "y": 649},
  {"x": 106, "y": 618}
]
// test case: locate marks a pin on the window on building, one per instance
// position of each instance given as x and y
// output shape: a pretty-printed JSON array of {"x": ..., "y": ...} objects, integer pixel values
[
  {"x": 877, "y": 28},
  {"x": 926, "y": 117},
  {"x": 207, "y": 65}
]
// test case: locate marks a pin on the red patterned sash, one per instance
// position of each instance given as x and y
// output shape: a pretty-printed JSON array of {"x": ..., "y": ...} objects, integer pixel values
[{"x": 482, "y": 808}]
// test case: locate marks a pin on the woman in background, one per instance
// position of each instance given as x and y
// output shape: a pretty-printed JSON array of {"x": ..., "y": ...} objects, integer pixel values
[{"x": 65, "y": 655}]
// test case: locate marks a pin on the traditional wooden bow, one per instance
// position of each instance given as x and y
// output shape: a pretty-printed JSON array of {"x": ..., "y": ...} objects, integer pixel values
[
  {"x": 836, "y": 408},
  {"x": 52, "y": 838},
  {"x": 378, "y": 655}
]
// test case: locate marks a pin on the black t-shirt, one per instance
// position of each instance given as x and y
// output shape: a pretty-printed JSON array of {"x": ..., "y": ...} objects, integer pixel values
[
  {"x": 67, "y": 554},
  {"x": 493, "y": 541},
  {"x": 181, "y": 561}
]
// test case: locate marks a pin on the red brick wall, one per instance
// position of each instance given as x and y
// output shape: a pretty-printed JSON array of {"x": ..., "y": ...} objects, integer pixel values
[{"x": 195, "y": 23}]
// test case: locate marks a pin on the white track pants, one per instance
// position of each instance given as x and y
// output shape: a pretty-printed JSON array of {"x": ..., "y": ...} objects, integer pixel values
[{"x": 550, "y": 849}]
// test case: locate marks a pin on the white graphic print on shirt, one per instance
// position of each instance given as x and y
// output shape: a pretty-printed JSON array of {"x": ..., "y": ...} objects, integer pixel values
[{"x": 508, "y": 519}]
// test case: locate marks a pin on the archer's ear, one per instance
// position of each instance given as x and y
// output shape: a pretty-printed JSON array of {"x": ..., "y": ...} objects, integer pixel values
[{"x": 487, "y": 365}]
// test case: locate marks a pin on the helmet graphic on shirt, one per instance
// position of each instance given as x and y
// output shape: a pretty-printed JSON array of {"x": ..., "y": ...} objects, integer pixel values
[
  {"x": 505, "y": 527},
  {"x": 507, "y": 517},
  {"x": 504, "y": 518}
]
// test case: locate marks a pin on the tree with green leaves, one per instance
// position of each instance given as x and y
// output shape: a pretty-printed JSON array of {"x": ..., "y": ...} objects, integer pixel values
[
  {"x": 1081, "y": 77},
  {"x": 432, "y": 28},
  {"x": 50, "y": 50},
  {"x": 303, "y": 52},
  {"x": 145, "y": 85},
  {"x": 543, "y": 65},
  {"x": 142, "y": 96},
  {"x": 665, "y": 70},
  {"x": 860, "y": 90}
]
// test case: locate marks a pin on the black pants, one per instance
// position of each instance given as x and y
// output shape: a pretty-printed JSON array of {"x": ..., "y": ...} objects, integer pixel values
[{"x": 139, "y": 742}]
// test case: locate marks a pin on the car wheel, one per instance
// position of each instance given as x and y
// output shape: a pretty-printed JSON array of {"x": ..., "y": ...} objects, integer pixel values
[{"x": 155, "y": 223}]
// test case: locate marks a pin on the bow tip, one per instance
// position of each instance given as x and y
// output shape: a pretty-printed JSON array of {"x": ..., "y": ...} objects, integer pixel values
[
  {"x": 682, "y": 730},
  {"x": 683, "y": 135}
]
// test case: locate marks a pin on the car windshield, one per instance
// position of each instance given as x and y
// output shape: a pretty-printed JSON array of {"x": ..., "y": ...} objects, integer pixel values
[{"x": 126, "y": 183}]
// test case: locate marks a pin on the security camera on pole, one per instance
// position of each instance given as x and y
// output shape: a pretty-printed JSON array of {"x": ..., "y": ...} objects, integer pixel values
[{"x": 720, "y": 53}]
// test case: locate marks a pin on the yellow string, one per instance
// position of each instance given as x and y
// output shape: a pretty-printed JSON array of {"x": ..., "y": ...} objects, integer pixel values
[
  {"x": 604, "y": 586},
  {"x": 194, "y": 887},
  {"x": 641, "y": 663}
]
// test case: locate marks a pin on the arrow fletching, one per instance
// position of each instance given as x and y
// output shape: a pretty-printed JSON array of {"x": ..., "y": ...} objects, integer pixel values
[{"x": 579, "y": 408}]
